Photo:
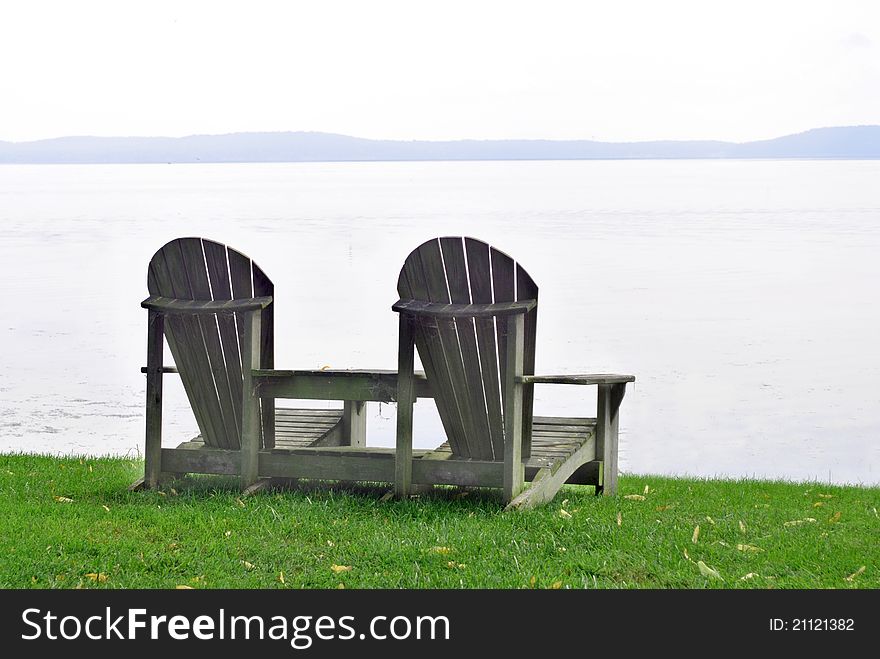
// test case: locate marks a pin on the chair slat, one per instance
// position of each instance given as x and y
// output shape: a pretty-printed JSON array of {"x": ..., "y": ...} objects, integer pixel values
[
  {"x": 218, "y": 274},
  {"x": 480, "y": 274},
  {"x": 477, "y": 427},
  {"x": 197, "y": 274},
  {"x": 411, "y": 284},
  {"x": 448, "y": 348},
  {"x": 158, "y": 283},
  {"x": 173, "y": 282},
  {"x": 241, "y": 280},
  {"x": 503, "y": 287}
]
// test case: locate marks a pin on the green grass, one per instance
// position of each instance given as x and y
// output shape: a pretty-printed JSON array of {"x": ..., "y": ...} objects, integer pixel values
[{"x": 66, "y": 519}]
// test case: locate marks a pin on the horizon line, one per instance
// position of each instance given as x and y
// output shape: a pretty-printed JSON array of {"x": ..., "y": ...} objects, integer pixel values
[{"x": 432, "y": 141}]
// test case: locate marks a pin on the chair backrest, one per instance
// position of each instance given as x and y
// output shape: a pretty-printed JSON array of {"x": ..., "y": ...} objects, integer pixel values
[
  {"x": 463, "y": 358},
  {"x": 206, "y": 349}
]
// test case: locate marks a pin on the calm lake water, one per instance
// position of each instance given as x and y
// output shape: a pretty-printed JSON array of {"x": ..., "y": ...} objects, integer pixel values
[{"x": 742, "y": 294}]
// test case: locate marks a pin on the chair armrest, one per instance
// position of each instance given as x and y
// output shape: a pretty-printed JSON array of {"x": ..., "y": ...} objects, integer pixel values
[
  {"x": 596, "y": 378},
  {"x": 443, "y": 310},
  {"x": 169, "y": 305}
]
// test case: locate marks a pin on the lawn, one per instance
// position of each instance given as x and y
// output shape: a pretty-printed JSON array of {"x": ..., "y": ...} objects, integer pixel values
[{"x": 71, "y": 523}]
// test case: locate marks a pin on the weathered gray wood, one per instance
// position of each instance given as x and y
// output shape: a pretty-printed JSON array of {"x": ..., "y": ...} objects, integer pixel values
[
  {"x": 549, "y": 480},
  {"x": 477, "y": 422},
  {"x": 405, "y": 400},
  {"x": 153, "y": 445},
  {"x": 608, "y": 404},
  {"x": 165, "y": 369},
  {"x": 526, "y": 289},
  {"x": 444, "y": 343},
  {"x": 596, "y": 378},
  {"x": 513, "y": 359},
  {"x": 241, "y": 281},
  {"x": 200, "y": 288},
  {"x": 480, "y": 278},
  {"x": 193, "y": 343},
  {"x": 202, "y": 461},
  {"x": 217, "y": 267},
  {"x": 327, "y": 385},
  {"x": 378, "y": 467},
  {"x": 446, "y": 310},
  {"x": 203, "y": 307},
  {"x": 250, "y": 426},
  {"x": 303, "y": 415},
  {"x": 471, "y": 473},
  {"x": 263, "y": 286},
  {"x": 504, "y": 288},
  {"x": 259, "y": 485},
  {"x": 411, "y": 285},
  {"x": 354, "y": 423},
  {"x": 384, "y": 453},
  {"x": 563, "y": 421},
  {"x": 159, "y": 281}
]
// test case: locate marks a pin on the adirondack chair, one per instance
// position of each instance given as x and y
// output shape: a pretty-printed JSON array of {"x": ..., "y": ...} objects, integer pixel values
[
  {"x": 214, "y": 306},
  {"x": 471, "y": 312}
]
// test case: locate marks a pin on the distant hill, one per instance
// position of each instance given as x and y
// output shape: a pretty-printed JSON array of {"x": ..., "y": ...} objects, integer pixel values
[{"x": 856, "y": 142}]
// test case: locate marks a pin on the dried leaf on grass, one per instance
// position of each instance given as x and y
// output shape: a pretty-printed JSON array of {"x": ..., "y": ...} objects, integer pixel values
[
  {"x": 634, "y": 497},
  {"x": 748, "y": 548},
  {"x": 856, "y": 573},
  {"x": 99, "y": 577},
  {"x": 441, "y": 550},
  {"x": 707, "y": 571},
  {"x": 340, "y": 568},
  {"x": 63, "y": 499},
  {"x": 696, "y": 536}
]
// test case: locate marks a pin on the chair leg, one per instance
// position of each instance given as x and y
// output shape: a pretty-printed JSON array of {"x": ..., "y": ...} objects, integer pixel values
[
  {"x": 354, "y": 423},
  {"x": 607, "y": 407},
  {"x": 153, "y": 443},
  {"x": 250, "y": 421},
  {"x": 405, "y": 400}
]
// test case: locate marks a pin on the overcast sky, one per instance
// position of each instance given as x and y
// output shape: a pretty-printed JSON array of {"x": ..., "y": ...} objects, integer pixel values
[{"x": 608, "y": 70}]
